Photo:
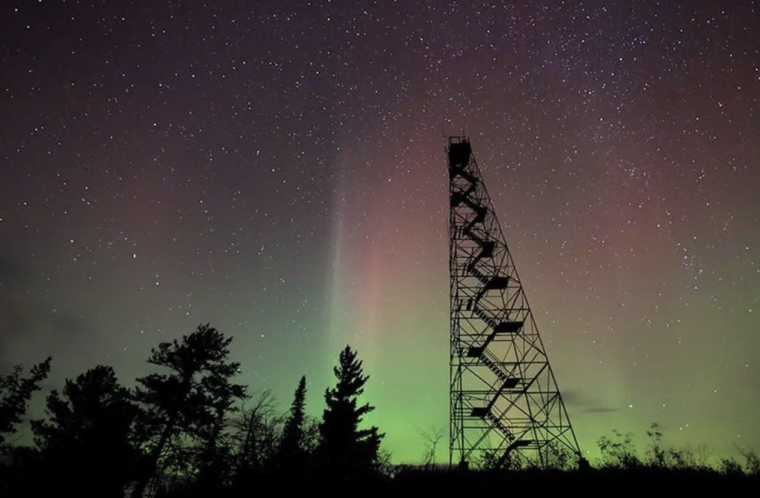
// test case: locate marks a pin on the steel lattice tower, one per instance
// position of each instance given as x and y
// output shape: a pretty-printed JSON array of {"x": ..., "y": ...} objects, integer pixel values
[{"x": 504, "y": 396}]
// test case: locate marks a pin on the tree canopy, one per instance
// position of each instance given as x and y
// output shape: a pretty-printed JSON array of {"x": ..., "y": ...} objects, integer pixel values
[
  {"x": 347, "y": 450},
  {"x": 15, "y": 393},
  {"x": 292, "y": 435},
  {"x": 189, "y": 402},
  {"x": 89, "y": 432}
]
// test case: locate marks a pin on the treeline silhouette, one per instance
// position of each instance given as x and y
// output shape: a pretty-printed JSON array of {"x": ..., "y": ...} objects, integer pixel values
[{"x": 188, "y": 430}]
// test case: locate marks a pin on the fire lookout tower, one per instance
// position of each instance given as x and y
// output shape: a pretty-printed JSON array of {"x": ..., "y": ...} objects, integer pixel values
[{"x": 504, "y": 398}]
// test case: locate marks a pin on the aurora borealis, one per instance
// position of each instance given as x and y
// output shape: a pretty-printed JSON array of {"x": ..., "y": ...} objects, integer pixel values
[{"x": 277, "y": 169}]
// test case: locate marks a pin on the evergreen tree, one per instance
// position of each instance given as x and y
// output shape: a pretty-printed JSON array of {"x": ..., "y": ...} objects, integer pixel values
[
  {"x": 348, "y": 451},
  {"x": 190, "y": 402},
  {"x": 86, "y": 444},
  {"x": 292, "y": 445},
  {"x": 293, "y": 433},
  {"x": 214, "y": 461},
  {"x": 15, "y": 394}
]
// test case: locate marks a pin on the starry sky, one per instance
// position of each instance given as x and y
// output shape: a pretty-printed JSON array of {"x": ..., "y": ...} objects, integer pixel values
[{"x": 277, "y": 169}]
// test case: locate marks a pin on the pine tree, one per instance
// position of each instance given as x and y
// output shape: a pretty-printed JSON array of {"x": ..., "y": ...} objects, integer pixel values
[
  {"x": 15, "y": 393},
  {"x": 190, "y": 402},
  {"x": 348, "y": 451},
  {"x": 89, "y": 433},
  {"x": 292, "y": 452}
]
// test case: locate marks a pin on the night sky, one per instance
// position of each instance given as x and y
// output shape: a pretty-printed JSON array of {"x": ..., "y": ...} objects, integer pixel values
[{"x": 277, "y": 169}]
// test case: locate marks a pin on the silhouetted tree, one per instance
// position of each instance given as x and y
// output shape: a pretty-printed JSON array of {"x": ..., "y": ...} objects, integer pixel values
[
  {"x": 431, "y": 438},
  {"x": 348, "y": 451},
  {"x": 292, "y": 434},
  {"x": 292, "y": 454},
  {"x": 17, "y": 462},
  {"x": 259, "y": 431},
  {"x": 214, "y": 461},
  {"x": 86, "y": 443},
  {"x": 187, "y": 403},
  {"x": 310, "y": 435},
  {"x": 15, "y": 393}
]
